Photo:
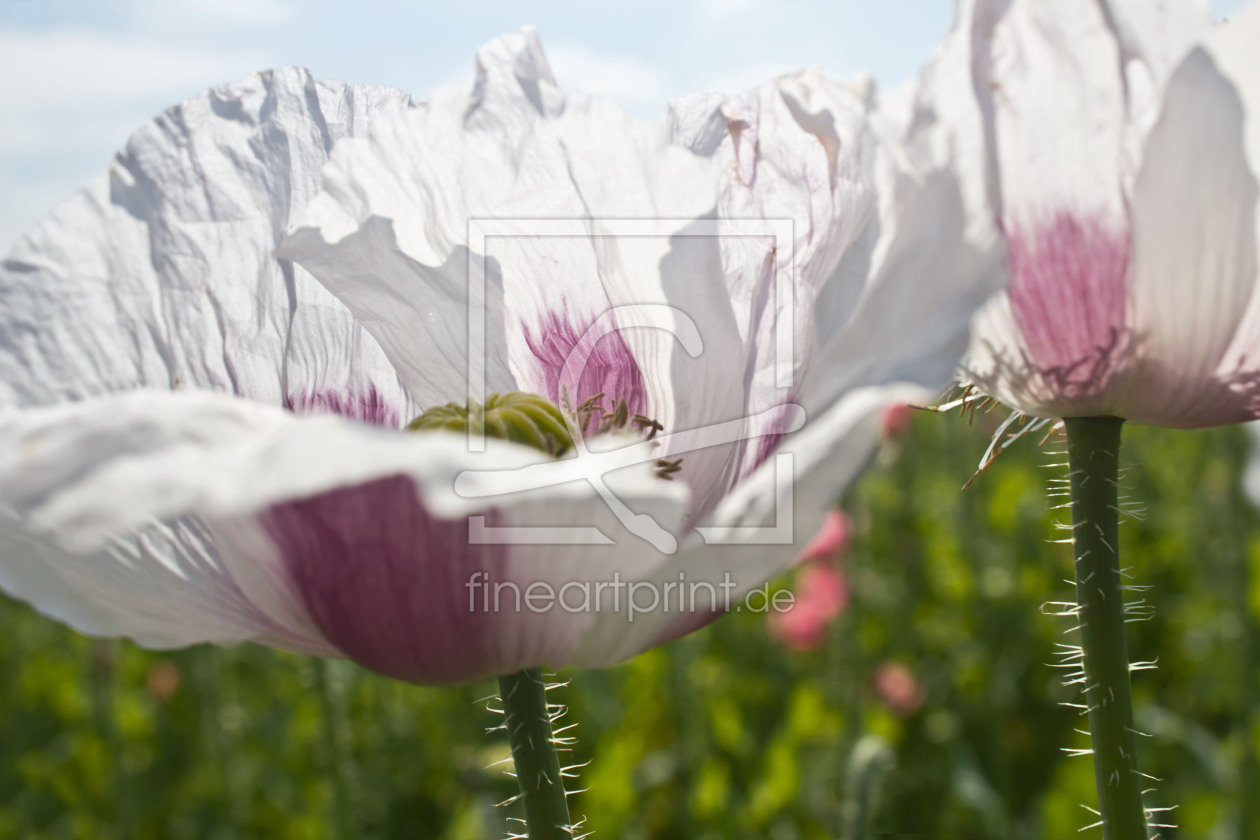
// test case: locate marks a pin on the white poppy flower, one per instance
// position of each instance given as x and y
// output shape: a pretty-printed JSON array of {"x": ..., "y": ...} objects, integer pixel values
[
  {"x": 1120, "y": 151},
  {"x": 475, "y": 244}
]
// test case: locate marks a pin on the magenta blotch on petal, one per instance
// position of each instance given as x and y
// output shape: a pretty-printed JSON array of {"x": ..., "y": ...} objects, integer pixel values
[
  {"x": 368, "y": 407},
  {"x": 610, "y": 366},
  {"x": 386, "y": 582},
  {"x": 1068, "y": 297}
]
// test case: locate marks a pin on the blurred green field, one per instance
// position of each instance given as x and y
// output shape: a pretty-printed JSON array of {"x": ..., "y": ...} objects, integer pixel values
[{"x": 724, "y": 734}]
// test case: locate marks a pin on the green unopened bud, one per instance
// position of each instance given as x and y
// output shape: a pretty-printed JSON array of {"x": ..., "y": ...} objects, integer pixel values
[{"x": 516, "y": 416}]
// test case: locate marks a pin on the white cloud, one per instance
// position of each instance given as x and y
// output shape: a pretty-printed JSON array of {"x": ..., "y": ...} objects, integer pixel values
[
  {"x": 72, "y": 98},
  {"x": 70, "y": 68},
  {"x": 638, "y": 86},
  {"x": 710, "y": 10},
  {"x": 224, "y": 13},
  {"x": 737, "y": 78},
  {"x": 25, "y": 204}
]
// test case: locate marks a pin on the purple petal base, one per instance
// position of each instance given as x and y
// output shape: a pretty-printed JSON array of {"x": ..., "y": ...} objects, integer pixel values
[
  {"x": 369, "y": 407},
  {"x": 386, "y": 582},
  {"x": 1069, "y": 298},
  {"x": 610, "y": 366}
]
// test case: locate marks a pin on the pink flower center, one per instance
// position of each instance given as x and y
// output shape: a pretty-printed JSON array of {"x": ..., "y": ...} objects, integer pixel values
[
  {"x": 610, "y": 368},
  {"x": 369, "y": 407}
]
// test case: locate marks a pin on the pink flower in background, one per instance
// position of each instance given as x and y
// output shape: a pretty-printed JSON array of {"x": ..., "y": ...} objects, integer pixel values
[
  {"x": 199, "y": 439},
  {"x": 897, "y": 686},
  {"x": 1115, "y": 147},
  {"x": 831, "y": 542},
  {"x": 894, "y": 421},
  {"x": 820, "y": 588},
  {"x": 821, "y": 592}
]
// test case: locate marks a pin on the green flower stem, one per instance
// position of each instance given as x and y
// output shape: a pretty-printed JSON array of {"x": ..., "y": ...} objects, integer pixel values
[
  {"x": 1093, "y": 456},
  {"x": 332, "y": 706},
  {"x": 528, "y": 723},
  {"x": 208, "y": 671},
  {"x": 102, "y": 656}
]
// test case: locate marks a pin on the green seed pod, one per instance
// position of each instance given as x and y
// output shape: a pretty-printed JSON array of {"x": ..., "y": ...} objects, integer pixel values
[{"x": 516, "y": 416}]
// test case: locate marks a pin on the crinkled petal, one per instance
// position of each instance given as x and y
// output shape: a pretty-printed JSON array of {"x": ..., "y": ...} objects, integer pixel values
[
  {"x": 391, "y": 236},
  {"x": 162, "y": 272},
  {"x": 799, "y": 157},
  {"x": 695, "y": 122},
  {"x": 802, "y": 150}
]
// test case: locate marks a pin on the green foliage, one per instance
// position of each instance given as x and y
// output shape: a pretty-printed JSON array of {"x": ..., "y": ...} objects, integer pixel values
[{"x": 724, "y": 734}]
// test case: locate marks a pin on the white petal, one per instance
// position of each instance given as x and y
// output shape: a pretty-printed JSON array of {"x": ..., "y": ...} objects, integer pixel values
[
  {"x": 801, "y": 149},
  {"x": 1154, "y": 36},
  {"x": 341, "y": 548},
  {"x": 161, "y": 583},
  {"x": 927, "y": 279},
  {"x": 1052, "y": 77},
  {"x": 1159, "y": 34},
  {"x": 949, "y": 126},
  {"x": 417, "y": 598},
  {"x": 898, "y": 306},
  {"x": 1194, "y": 255},
  {"x": 161, "y": 273},
  {"x": 746, "y": 539},
  {"x": 695, "y": 122},
  {"x": 800, "y": 152},
  {"x": 1053, "y": 80}
]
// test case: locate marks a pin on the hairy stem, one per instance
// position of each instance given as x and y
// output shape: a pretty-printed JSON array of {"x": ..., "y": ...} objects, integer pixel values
[
  {"x": 1093, "y": 456},
  {"x": 528, "y": 723}
]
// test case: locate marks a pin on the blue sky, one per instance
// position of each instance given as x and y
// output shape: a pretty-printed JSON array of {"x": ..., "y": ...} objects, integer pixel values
[{"x": 77, "y": 76}]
